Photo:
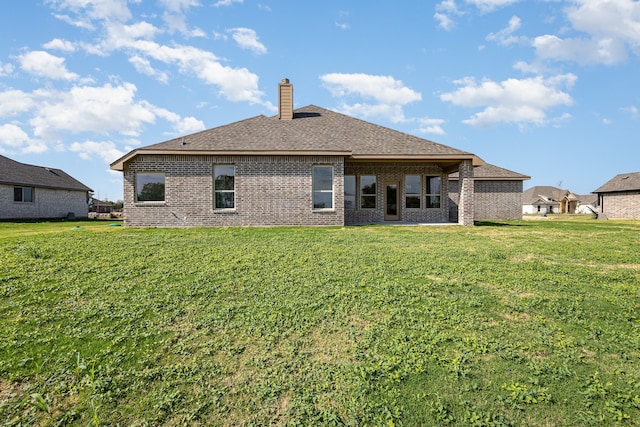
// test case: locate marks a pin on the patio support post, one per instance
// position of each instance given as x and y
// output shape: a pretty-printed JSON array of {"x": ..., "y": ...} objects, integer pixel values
[{"x": 466, "y": 204}]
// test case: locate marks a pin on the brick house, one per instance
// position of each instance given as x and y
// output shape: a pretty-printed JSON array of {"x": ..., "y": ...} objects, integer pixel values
[
  {"x": 36, "y": 192},
  {"x": 497, "y": 193},
  {"x": 619, "y": 198},
  {"x": 308, "y": 166}
]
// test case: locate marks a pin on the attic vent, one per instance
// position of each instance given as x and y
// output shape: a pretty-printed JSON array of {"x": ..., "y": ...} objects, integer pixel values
[
  {"x": 52, "y": 171},
  {"x": 625, "y": 177},
  {"x": 285, "y": 100}
]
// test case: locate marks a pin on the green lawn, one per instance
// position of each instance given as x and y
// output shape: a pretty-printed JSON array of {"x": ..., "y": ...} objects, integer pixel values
[{"x": 524, "y": 323}]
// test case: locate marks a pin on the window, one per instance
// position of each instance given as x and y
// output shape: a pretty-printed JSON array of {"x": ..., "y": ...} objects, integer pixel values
[
  {"x": 224, "y": 187},
  {"x": 432, "y": 188},
  {"x": 412, "y": 191},
  {"x": 349, "y": 192},
  {"x": 150, "y": 187},
  {"x": 23, "y": 194},
  {"x": 368, "y": 192},
  {"x": 322, "y": 187}
]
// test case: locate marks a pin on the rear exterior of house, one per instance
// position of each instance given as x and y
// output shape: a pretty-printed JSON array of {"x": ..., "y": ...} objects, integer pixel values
[
  {"x": 619, "y": 198},
  {"x": 35, "y": 192},
  {"x": 497, "y": 193},
  {"x": 309, "y": 166}
]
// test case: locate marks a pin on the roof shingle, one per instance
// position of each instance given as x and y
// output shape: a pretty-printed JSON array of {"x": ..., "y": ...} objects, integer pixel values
[
  {"x": 621, "y": 182},
  {"x": 16, "y": 173}
]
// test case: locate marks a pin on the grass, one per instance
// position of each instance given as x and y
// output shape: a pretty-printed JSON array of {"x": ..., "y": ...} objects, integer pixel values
[{"x": 516, "y": 323}]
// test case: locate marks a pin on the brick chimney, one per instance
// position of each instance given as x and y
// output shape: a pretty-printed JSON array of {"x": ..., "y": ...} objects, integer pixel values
[{"x": 285, "y": 100}]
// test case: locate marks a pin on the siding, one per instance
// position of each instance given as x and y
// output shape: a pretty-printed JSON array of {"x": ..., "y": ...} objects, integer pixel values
[
  {"x": 48, "y": 203},
  {"x": 269, "y": 190}
]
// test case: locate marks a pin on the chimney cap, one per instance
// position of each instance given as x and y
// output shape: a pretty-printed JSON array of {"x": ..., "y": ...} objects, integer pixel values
[{"x": 285, "y": 81}]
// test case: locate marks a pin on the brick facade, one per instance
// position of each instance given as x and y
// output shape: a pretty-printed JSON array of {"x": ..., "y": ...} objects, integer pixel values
[
  {"x": 494, "y": 199},
  {"x": 620, "y": 205},
  {"x": 466, "y": 202},
  {"x": 396, "y": 171},
  {"x": 47, "y": 203},
  {"x": 269, "y": 190}
]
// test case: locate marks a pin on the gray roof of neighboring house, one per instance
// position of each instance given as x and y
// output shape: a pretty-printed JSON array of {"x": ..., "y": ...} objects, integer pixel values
[
  {"x": 21, "y": 174},
  {"x": 313, "y": 130},
  {"x": 546, "y": 194},
  {"x": 489, "y": 172},
  {"x": 621, "y": 182}
]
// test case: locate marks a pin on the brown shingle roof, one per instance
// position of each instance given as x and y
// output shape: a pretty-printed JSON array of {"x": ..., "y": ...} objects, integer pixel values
[
  {"x": 621, "y": 182},
  {"x": 489, "y": 172},
  {"x": 313, "y": 130},
  {"x": 21, "y": 174}
]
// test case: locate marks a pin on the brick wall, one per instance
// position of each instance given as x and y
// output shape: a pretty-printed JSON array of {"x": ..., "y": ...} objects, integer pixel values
[
  {"x": 269, "y": 190},
  {"x": 493, "y": 199},
  {"x": 466, "y": 188},
  {"x": 624, "y": 205},
  {"x": 396, "y": 172},
  {"x": 48, "y": 203}
]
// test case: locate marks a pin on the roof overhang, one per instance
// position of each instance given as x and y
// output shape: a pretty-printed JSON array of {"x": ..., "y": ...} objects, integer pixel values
[
  {"x": 448, "y": 162},
  {"x": 118, "y": 165}
]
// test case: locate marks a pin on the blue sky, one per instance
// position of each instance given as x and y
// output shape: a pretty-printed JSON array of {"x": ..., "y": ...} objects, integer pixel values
[{"x": 546, "y": 88}]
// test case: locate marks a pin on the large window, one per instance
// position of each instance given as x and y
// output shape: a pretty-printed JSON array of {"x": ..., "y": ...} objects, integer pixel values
[
  {"x": 349, "y": 192},
  {"x": 322, "y": 187},
  {"x": 150, "y": 187},
  {"x": 224, "y": 187},
  {"x": 413, "y": 193},
  {"x": 433, "y": 190},
  {"x": 368, "y": 192},
  {"x": 23, "y": 194}
]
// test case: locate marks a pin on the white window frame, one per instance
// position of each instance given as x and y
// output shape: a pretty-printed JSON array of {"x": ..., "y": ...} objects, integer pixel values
[
  {"x": 227, "y": 209},
  {"x": 322, "y": 191}
]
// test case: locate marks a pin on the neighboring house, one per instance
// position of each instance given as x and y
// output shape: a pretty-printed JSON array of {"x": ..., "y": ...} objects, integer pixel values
[
  {"x": 619, "y": 198},
  {"x": 99, "y": 206},
  {"x": 497, "y": 193},
  {"x": 308, "y": 166},
  {"x": 549, "y": 200},
  {"x": 587, "y": 204},
  {"x": 36, "y": 192}
]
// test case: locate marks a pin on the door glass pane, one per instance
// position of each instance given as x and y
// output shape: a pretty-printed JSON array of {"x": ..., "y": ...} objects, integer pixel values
[{"x": 392, "y": 199}]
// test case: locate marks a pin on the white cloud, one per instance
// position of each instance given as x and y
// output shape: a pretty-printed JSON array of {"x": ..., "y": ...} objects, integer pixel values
[
  {"x": 104, "y": 149},
  {"x": 633, "y": 111},
  {"x": 490, "y": 5},
  {"x": 13, "y": 102},
  {"x": 388, "y": 94},
  {"x": 188, "y": 125},
  {"x": 15, "y": 138},
  {"x": 143, "y": 66},
  {"x": 522, "y": 102},
  {"x": 113, "y": 10},
  {"x": 611, "y": 29},
  {"x": 90, "y": 109},
  {"x": 62, "y": 45},
  {"x": 5, "y": 69},
  {"x": 444, "y": 11},
  {"x": 248, "y": 39},
  {"x": 583, "y": 51},
  {"x": 505, "y": 36},
  {"x": 227, "y": 2},
  {"x": 43, "y": 64},
  {"x": 431, "y": 126}
]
